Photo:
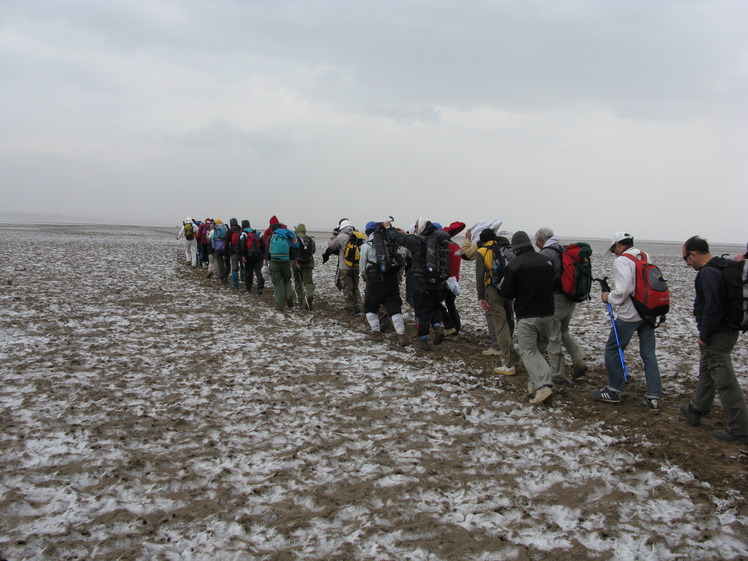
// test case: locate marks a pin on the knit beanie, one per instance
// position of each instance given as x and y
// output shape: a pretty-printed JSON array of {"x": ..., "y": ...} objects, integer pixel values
[
  {"x": 370, "y": 227},
  {"x": 520, "y": 239},
  {"x": 245, "y": 224},
  {"x": 300, "y": 230},
  {"x": 233, "y": 222}
]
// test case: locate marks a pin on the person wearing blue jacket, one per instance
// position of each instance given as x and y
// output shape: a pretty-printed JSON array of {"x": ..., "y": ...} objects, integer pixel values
[
  {"x": 716, "y": 341},
  {"x": 278, "y": 260}
]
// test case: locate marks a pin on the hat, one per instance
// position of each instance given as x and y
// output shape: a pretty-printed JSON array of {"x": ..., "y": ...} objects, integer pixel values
[
  {"x": 233, "y": 222},
  {"x": 437, "y": 226},
  {"x": 619, "y": 237},
  {"x": 370, "y": 227},
  {"x": 344, "y": 223},
  {"x": 300, "y": 230},
  {"x": 274, "y": 220},
  {"x": 520, "y": 239},
  {"x": 455, "y": 228},
  {"x": 487, "y": 235},
  {"x": 245, "y": 223}
]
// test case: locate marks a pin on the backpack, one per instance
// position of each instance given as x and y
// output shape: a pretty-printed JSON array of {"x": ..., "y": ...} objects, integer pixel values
[
  {"x": 437, "y": 258},
  {"x": 189, "y": 231},
  {"x": 495, "y": 264},
  {"x": 735, "y": 275},
  {"x": 388, "y": 257},
  {"x": 352, "y": 254},
  {"x": 252, "y": 245},
  {"x": 576, "y": 271},
  {"x": 305, "y": 250},
  {"x": 651, "y": 296},
  {"x": 279, "y": 248},
  {"x": 235, "y": 241},
  {"x": 219, "y": 237}
]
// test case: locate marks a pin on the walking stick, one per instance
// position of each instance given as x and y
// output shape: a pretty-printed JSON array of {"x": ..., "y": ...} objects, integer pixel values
[{"x": 605, "y": 288}]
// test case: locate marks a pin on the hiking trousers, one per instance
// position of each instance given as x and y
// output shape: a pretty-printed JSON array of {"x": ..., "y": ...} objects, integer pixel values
[
  {"x": 190, "y": 251},
  {"x": 349, "y": 281},
  {"x": 253, "y": 268},
  {"x": 303, "y": 280},
  {"x": 626, "y": 330},
  {"x": 501, "y": 312},
  {"x": 532, "y": 340},
  {"x": 280, "y": 271},
  {"x": 716, "y": 376},
  {"x": 560, "y": 335},
  {"x": 382, "y": 290},
  {"x": 428, "y": 309}
]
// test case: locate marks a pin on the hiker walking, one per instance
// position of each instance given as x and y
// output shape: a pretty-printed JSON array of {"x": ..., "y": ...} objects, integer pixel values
[
  {"x": 218, "y": 236},
  {"x": 347, "y": 246},
  {"x": 252, "y": 257},
  {"x": 488, "y": 274},
  {"x": 380, "y": 266},
  {"x": 452, "y": 323},
  {"x": 529, "y": 281},
  {"x": 303, "y": 267},
  {"x": 278, "y": 259},
  {"x": 234, "y": 250},
  {"x": 428, "y": 277},
  {"x": 469, "y": 252},
  {"x": 204, "y": 241},
  {"x": 626, "y": 323},
  {"x": 717, "y": 338},
  {"x": 188, "y": 231},
  {"x": 549, "y": 246}
]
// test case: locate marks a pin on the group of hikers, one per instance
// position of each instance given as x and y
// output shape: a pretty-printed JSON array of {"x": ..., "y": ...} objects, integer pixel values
[{"x": 527, "y": 288}]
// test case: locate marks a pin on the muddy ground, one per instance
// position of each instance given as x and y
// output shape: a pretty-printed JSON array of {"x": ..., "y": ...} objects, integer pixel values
[{"x": 148, "y": 412}]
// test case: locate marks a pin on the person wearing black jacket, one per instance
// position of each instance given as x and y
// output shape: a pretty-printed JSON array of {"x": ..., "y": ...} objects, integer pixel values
[
  {"x": 426, "y": 295},
  {"x": 716, "y": 341},
  {"x": 529, "y": 281}
]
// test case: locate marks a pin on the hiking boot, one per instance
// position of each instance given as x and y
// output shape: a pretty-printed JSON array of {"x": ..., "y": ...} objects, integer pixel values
[
  {"x": 210, "y": 274},
  {"x": 607, "y": 395},
  {"x": 289, "y": 302},
  {"x": 559, "y": 379},
  {"x": 652, "y": 404},
  {"x": 692, "y": 416},
  {"x": 375, "y": 336},
  {"x": 541, "y": 395},
  {"x": 259, "y": 291},
  {"x": 438, "y": 334},
  {"x": 580, "y": 369},
  {"x": 729, "y": 437},
  {"x": 424, "y": 345},
  {"x": 505, "y": 370},
  {"x": 402, "y": 340},
  {"x": 450, "y": 332},
  {"x": 491, "y": 351}
]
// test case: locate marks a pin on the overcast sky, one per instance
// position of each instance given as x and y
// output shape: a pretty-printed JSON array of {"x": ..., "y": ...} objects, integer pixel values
[{"x": 584, "y": 116}]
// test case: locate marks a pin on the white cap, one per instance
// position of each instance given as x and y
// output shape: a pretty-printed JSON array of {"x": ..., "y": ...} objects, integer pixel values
[
  {"x": 344, "y": 223},
  {"x": 619, "y": 236}
]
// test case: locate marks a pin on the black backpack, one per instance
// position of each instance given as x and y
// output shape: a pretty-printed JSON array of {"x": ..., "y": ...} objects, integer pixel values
[
  {"x": 437, "y": 258},
  {"x": 305, "y": 250},
  {"x": 388, "y": 256},
  {"x": 735, "y": 275}
]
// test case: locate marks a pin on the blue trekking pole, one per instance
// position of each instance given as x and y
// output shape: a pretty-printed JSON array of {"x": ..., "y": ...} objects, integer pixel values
[{"x": 605, "y": 288}]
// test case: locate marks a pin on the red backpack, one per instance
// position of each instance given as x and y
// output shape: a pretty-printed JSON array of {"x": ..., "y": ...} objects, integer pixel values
[
  {"x": 651, "y": 296},
  {"x": 576, "y": 271},
  {"x": 252, "y": 244}
]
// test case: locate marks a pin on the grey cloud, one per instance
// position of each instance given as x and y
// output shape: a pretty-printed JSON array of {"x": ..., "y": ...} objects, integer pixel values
[{"x": 223, "y": 135}]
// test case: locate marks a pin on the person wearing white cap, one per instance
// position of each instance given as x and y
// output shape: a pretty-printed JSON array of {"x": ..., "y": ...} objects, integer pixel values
[
  {"x": 188, "y": 231},
  {"x": 348, "y": 273},
  {"x": 627, "y": 322}
]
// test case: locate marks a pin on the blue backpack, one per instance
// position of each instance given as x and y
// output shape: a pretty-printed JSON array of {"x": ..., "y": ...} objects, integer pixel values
[{"x": 279, "y": 248}]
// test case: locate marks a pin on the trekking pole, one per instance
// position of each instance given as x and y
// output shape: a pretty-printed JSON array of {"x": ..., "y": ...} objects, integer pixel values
[{"x": 605, "y": 288}]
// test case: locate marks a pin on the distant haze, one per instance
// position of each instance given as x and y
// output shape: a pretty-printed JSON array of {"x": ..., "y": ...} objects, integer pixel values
[{"x": 584, "y": 116}]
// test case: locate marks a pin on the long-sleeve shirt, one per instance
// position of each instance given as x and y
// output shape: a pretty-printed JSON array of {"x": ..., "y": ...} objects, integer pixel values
[{"x": 708, "y": 305}]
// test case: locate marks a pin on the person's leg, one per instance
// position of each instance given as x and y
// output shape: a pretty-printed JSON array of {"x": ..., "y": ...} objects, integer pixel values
[
  {"x": 647, "y": 347},
  {"x": 613, "y": 364},
  {"x": 529, "y": 332},
  {"x": 718, "y": 363}
]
